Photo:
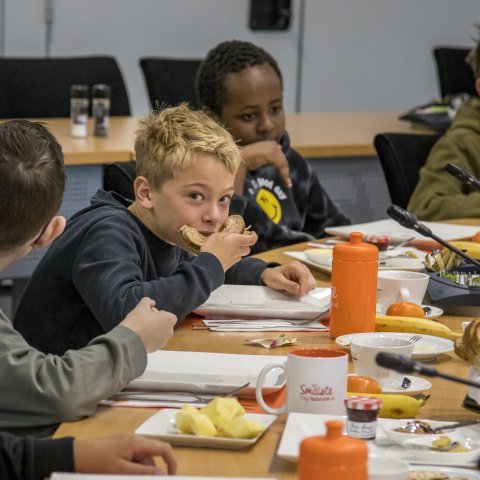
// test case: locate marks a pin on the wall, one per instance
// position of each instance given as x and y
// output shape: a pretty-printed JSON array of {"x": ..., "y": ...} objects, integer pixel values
[{"x": 358, "y": 54}]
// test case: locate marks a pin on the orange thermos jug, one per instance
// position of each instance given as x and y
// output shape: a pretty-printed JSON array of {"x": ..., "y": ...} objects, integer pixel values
[
  {"x": 333, "y": 457},
  {"x": 354, "y": 287}
]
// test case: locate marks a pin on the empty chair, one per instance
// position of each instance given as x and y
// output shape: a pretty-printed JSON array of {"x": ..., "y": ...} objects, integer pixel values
[
  {"x": 401, "y": 156},
  {"x": 170, "y": 81},
  {"x": 454, "y": 74},
  {"x": 40, "y": 87}
]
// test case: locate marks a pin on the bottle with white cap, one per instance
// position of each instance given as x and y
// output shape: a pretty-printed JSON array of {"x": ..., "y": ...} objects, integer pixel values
[{"x": 79, "y": 110}]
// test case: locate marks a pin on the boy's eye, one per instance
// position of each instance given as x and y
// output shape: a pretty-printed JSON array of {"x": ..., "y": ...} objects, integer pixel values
[
  {"x": 226, "y": 199},
  {"x": 196, "y": 196},
  {"x": 277, "y": 109},
  {"x": 248, "y": 117}
]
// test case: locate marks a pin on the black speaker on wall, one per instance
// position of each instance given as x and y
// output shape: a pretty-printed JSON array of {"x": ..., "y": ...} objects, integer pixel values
[{"x": 270, "y": 14}]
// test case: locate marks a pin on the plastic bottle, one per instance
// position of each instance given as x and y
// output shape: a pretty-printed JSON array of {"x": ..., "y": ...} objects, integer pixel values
[
  {"x": 354, "y": 287},
  {"x": 101, "y": 109},
  {"x": 79, "y": 110},
  {"x": 333, "y": 457}
]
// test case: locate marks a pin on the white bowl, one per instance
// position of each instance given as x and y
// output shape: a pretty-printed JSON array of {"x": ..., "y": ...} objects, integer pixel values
[
  {"x": 417, "y": 448},
  {"x": 399, "y": 438}
]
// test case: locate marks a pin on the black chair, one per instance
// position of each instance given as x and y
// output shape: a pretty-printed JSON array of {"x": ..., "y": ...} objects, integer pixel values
[
  {"x": 40, "y": 87},
  {"x": 401, "y": 156},
  {"x": 119, "y": 177},
  {"x": 454, "y": 74},
  {"x": 170, "y": 81}
]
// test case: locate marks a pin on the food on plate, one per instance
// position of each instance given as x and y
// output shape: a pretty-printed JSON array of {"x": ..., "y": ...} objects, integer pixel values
[
  {"x": 395, "y": 405},
  {"x": 222, "y": 411},
  {"x": 221, "y": 417},
  {"x": 405, "y": 309},
  {"x": 194, "y": 240},
  {"x": 362, "y": 384},
  {"x": 441, "y": 260},
  {"x": 446, "y": 444},
  {"x": 427, "y": 475},
  {"x": 418, "y": 427},
  {"x": 424, "y": 326},
  {"x": 241, "y": 427},
  {"x": 190, "y": 421},
  {"x": 467, "y": 347}
]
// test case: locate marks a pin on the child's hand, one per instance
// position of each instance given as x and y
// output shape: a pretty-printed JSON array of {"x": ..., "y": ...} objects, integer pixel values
[
  {"x": 228, "y": 247},
  {"x": 154, "y": 327},
  {"x": 267, "y": 152},
  {"x": 122, "y": 454},
  {"x": 293, "y": 278}
]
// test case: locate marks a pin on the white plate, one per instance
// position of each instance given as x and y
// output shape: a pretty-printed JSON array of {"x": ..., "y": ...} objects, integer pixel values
[
  {"x": 418, "y": 449},
  {"x": 398, "y": 233},
  {"x": 431, "y": 314},
  {"x": 303, "y": 425},
  {"x": 451, "y": 472},
  {"x": 215, "y": 373},
  {"x": 427, "y": 348},
  {"x": 327, "y": 268},
  {"x": 298, "y": 427},
  {"x": 389, "y": 425},
  {"x": 162, "y": 426},
  {"x": 90, "y": 476},
  {"x": 263, "y": 302},
  {"x": 417, "y": 385},
  {"x": 434, "y": 312}
]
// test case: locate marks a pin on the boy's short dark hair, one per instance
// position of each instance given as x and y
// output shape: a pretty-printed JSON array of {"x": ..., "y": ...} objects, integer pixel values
[
  {"x": 32, "y": 180},
  {"x": 227, "y": 57}
]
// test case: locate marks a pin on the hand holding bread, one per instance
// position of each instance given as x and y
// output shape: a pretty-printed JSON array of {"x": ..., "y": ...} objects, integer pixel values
[{"x": 229, "y": 245}]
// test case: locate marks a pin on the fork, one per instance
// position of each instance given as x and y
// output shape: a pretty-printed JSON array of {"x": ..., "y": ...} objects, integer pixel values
[
  {"x": 415, "y": 338},
  {"x": 158, "y": 395}
]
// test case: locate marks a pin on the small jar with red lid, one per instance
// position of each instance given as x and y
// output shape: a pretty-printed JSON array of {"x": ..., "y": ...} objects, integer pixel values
[
  {"x": 382, "y": 242},
  {"x": 362, "y": 413}
]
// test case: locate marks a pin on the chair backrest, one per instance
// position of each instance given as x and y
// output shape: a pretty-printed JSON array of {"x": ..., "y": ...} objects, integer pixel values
[
  {"x": 170, "y": 81},
  {"x": 454, "y": 74},
  {"x": 401, "y": 156},
  {"x": 40, "y": 87}
]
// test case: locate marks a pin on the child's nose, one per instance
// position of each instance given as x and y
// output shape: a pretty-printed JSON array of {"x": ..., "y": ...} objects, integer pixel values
[
  {"x": 212, "y": 215},
  {"x": 265, "y": 124}
]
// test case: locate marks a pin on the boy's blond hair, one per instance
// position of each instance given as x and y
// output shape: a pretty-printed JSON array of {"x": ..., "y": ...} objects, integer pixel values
[{"x": 169, "y": 141}]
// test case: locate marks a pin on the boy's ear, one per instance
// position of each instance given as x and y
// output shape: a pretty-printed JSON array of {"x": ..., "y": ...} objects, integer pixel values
[
  {"x": 54, "y": 229},
  {"x": 142, "y": 190}
]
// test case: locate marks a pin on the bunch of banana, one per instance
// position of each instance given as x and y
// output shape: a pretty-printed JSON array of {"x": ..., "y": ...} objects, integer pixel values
[
  {"x": 424, "y": 326},
  {"x": 394, "y": 405},
  {"x": 470, "y": 248}
]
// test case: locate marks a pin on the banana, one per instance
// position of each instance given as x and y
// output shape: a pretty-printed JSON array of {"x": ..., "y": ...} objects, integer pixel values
[
  {"x": 424, "y": 326},
  {"x": 471, "y": 248},
  {"x": 394, "y": 405}
]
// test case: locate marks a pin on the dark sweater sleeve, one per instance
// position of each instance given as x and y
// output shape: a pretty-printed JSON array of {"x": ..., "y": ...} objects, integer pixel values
[{"x": 26, "y": 458}]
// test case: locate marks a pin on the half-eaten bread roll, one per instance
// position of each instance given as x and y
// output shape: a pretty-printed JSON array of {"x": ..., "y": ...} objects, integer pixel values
[{"x": 194, "y": 240}]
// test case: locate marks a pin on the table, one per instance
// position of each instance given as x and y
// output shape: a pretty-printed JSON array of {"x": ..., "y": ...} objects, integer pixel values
[
  {"x": 261, "y": 459},
  {"x": 314, "y": 135}
]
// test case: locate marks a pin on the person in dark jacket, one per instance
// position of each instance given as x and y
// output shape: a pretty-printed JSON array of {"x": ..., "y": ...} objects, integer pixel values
[
  {"x": 39, "y": 391},
  {"x": 115, "y": 251},
  {"x": 241, "y": 86}
]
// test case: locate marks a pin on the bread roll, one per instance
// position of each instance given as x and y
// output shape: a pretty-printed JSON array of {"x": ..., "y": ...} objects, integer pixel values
[{"x": 194, "y": 240}]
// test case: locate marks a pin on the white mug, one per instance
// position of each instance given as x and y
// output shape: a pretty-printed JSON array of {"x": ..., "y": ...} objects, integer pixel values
[
  {"x": 316, "y": 382},
  {"x": 400, "y": 286},
  {"x": 364, "y": 350}
]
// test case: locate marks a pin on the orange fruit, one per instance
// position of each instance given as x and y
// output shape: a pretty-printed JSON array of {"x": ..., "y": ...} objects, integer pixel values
[
  {"x": 476, "y": 237},
  {"x": 359, "y": 384},
  {"x": 405, "y": 309}
]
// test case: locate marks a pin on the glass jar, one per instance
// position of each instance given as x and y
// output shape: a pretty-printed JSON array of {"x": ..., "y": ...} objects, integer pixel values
[{"x": 362, "y": 413}]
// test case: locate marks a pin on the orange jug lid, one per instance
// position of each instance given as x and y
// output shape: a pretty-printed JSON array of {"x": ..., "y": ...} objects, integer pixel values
[
  {"x": 334, "y": 454},
  {"x": 356, "y": 249}
]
